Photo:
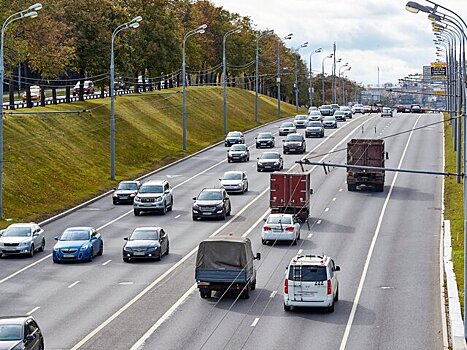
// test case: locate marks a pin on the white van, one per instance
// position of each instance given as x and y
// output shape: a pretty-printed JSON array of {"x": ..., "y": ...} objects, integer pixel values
[{"x": 311, "y": 281}]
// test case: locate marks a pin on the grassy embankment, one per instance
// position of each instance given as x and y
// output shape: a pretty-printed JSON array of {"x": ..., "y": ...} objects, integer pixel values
[
  {"x": 453, "y": 201},
  {"x": 55, "y": 161}
]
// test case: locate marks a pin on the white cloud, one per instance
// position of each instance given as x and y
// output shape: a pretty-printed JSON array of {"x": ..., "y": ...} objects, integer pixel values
[{"x": 368, "y": 33}]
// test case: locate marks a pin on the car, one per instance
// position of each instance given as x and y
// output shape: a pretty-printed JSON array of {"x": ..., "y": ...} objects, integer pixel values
[
  {"x": 366, "y": 109},
  {"x": 265, "y": 139},
  {"x": 148, "y": 242},
  {"x": 315, "y": 115},
  {"x": 287, "y": 128},
  {"x": 212, "y": 203},
  {"x": 125, "y": 192},
  {"x": 416, "y": 109},
  {"x": 88, "y": 88},
  {"x": 300, "y": 121},
  {"x": 238, "y": 152},
  {"x": 376, "y": 109},
  {"x": 326, "y": 110},
  {"x": 35, "y": 93},
  {"x": 312, "y": 108},
  {"x": 340, "y": 115},
  {"x": 347, "y": 111},
  {"x": 314, "y": 128},
  {"x": 403, "y": 108},
  {"x": 335, "y": 107},
  {"x": 386, "y": 112},
  {"x": 270, "y": 161},
  {"x": 78, "y": 244},
  {"x": 357, "y": 108},
  {"x": 154, "y": 196},
  {"x": 22, "y": 239},
  {"x": 294, "y": 143},
  {"x": 330, "y": 122},
  {"x": 280, "y": 227},
  {"x": 234, "y": 181},
  {"x": 311, "y": 281},
  {"x": 20, "y": 333},
  {"x": 234, "y": 137}
]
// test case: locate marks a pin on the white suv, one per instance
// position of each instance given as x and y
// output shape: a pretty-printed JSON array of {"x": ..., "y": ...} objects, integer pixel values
[{"x": 311, "y": 281}]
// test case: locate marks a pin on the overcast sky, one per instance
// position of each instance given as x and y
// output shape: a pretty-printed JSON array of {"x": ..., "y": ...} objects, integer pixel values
[{"x": 368, "y": 33}]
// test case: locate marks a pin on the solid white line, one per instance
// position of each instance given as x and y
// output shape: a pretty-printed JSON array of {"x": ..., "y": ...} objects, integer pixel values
[
  {"x": 310, "y": 235},
  {"x": 300, "y": 251},
  {"x": 25, "y": 268},
  {"x": 273, "y": 294},
  {"x": 252, "y": 227},
  {"x": 107, "y": 262},
  {"x": 340, "y": 189},
  {"x": 73, "y": 284},
  {"x": 334, "y": 199},
  {"x": 326, "y": 210},
  {"x": 33, "y": 310},
  {"x": 177, "y": 216},
  {"x": 318, "y": 222},
  {"x": 253, "y": 165},
  {"x": 255, "y": 322},
  {"x": 372, "y": 246},
  {"x": 126, "y": 283}
]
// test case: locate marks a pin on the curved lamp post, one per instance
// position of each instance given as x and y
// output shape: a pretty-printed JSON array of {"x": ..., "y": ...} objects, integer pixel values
[
  {"x": 311, "y": 92},
  {"x": 322, "y": 73},
  {"x": 296, "y": 73},
  {"x": 278, "y": 79},
  {"x": 224, "y": 72},
  {"x": 259, "y": 36}
]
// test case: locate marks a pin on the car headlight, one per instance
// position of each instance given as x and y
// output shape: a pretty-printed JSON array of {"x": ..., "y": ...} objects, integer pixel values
[
  {"x": 219, "y": 206},
  {"x": 195, "y": 206},
  {"x": 24, "y": 244},
  {"x": 132, "y": 194},
  {"x": 115, "y": 195},
  {"x": 158, "y": 199},
  {"x": 276, "y": 163},
  {"x": 137, "y": 198},
  {"x": 127, "y": 249},
  {"x": 55, "y": 248},
  {"x": 84, "y": 247}
]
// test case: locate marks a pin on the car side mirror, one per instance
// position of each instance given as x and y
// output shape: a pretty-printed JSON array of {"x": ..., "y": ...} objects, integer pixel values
[
  {"x": 1, "y": 232},
  {"x": 258, "y": 256},
  {"x": 257, "y": 157},
  {"x": 167, "y": 191},
  {"x": 93, "y": 238},
  {"x": 56, "y": 238},
  {"x": 125, "y": 238},
  {"x": 387, "y": 155},
  {"x": 114, "y": 189},
  {"x": 337, "y": 268},
  {"x": 194, "y": 198},
  {"x": 29, "y": 337},
  {"x": 283, "y": 140}
]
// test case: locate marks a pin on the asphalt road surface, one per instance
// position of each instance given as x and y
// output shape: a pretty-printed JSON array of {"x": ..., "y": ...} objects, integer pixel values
[{"x": 387, "y": 245}]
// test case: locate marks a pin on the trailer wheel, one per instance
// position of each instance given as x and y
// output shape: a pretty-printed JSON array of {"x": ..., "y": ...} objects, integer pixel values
[
  {"x": 204, "y": 294},
  {"x": 246, "y": 292},
  {"x": 351, "y": 187}
]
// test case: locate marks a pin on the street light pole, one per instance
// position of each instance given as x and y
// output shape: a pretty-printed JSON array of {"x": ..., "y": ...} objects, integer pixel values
[
  {"x": 322, "y": 73},
  {"x": 278, "y": 79},
  {"x": 224, "y": 72},
  {"x": 259, "y": 36},
  {"x": 133, "y": 24},
  {"x": 311, "y": 92},
  {"x": 30, "y": 12},
  {"x": 199, "y": 30},
  {"x": 340, "y": 68},
  {"x": 296, "y": 73}
]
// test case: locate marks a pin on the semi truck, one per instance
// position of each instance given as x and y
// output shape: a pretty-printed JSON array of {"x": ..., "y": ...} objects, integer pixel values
[
  {"x": 365, "y": 152},
  {"x": 290, "y": 193}
]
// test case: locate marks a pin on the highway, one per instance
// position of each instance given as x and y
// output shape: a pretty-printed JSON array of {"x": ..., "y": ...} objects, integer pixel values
[{"x": 387, "y": 245}]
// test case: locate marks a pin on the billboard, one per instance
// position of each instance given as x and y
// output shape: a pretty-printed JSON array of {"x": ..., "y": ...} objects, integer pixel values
[{"x": 438, "y": 70}]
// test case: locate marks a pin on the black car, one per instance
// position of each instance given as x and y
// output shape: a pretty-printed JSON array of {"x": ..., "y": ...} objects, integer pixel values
[
  {"x": 326, "y": 110},
  {"x": 270, "y": 161},
  {"x": 403, "y": 108},
  {"x": 416, "y": 109},
  {"x": 234, "y": 137},
  {"x": 149, "y": 242},
  {"x": 294, "y": 143},
  {"x": 238, "y": 153},
  {"x": 20, "y": 333},
  {"x": 265, "y": 139},
  {"x": 211, "y": 203},
  {"x": 335, "y": 107},
  {"x": 126, "y": 192}
]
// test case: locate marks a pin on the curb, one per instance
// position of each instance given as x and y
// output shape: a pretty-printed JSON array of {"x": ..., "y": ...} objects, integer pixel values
[
  {"x": 456, "y": 323},
  {"x": 95, "y": 199}
]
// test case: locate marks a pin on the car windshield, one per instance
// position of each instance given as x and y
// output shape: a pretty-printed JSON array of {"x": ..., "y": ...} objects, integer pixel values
[
  {"x": 17, "y": 232},
  {"x": 315, "y": 113},
  {"x": 269, "y": 156},
  {"x": 10, "y": 332},
  {"x": 326, "y": 107},
  {"x": 314, "y": 124},
  {"x": 151, "y": 189},
  {"x": 307, "y": 273},
  {"x": 144, "y": 235},
  {"x": 265, "y": 135},
  {"x": 339, "y": 113},
  {"x": 210, "y": 196},
  {"x": 300, "y": 117},
  {"x": 329, "y": 118},
  {"x": 127, "y": 186},
  {"x": 238, "y": 148},
  {"x": 75, "y": 235},
  {"x": 232, "y": 176},
  {"x": 345, "y": 108},
  {"x": 287, "y": 125},
  {"x": 294, "y": 138},
  {"x": 233, "y": 134},
  {"x": 285, "y": 220},
  {"x": 415, "y": 106}
]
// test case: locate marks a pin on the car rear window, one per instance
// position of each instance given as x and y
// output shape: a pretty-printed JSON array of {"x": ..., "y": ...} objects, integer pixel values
[
  {"x": 285, "y": 220},
  {"x": 294, "y": 138},
  {"x": 308, "y": 273},
  {"x": 287, "y": 125}
]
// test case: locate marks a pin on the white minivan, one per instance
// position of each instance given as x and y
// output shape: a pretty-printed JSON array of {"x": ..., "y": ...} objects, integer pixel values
[{"x": 311, "y": 281}]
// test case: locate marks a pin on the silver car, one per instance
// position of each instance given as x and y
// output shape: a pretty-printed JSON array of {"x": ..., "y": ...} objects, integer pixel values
[
  {"x": 300, "y": 121},
  {"x": 287, "y": 128},
  {"x": 234, "y": 181},
  {"x": 22, "y": 239},
  {"x": 315, "y": 115},
  {"x": 154, "y": 195},
  {"x": 330, "y": 122}
]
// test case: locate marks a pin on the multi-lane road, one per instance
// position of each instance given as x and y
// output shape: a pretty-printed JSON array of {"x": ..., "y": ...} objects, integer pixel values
[{"x": 387, "y": 245}]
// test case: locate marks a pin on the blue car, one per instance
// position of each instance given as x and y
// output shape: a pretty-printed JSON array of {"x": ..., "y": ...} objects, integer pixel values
[{"x": 78, "y": 244}]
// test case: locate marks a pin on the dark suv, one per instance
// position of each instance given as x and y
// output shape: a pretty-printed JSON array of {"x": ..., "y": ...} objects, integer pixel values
[
  {"x": 265, "y": 139},
  {"x": 126, "y": 192},
  {"x": 234, "y": 137},
  {"x": 20, "y": 332},
  {"x": 211, "y": 203},
  {"x": 294, "y": 143}
]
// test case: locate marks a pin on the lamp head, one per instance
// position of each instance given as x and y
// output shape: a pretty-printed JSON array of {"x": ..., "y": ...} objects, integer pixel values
[
  {"x": 203, "y": 26},
  {"x": 415, "y": 7},
  {"x": 304, "y": 44},
  {"x": 330, "y": 55},
  {"x": 31, "y": 14},
  {"x": 318, "y": 50},
  {"x": 137, "y": 19},
  {"x": 35, "y": 7},
  {"x": 288, "y": 37},
  {"x": 134, "y": 25}
]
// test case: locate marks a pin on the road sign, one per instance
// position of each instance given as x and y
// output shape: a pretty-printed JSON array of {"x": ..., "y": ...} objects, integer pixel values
[{"x": 438, "y": 70}]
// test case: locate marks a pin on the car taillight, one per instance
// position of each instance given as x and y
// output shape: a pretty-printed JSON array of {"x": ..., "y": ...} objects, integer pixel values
[
  {"x": 329, "y": 287},
  {"x": 289, "y": 229},
  {"x": 266, "y": 228},
  {"x": 286, "y": 286}
]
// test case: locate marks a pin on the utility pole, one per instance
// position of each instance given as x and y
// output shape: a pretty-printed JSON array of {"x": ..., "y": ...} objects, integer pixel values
[{"x": 334, "y": 75}]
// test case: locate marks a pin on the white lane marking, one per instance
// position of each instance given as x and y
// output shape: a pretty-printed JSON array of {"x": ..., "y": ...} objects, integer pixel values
[
  {"x": 106, "y": 263},
  {"x": 126, "y": 283},
  {"x": 334, "y": 199},
  {"x": 372, "y": 246},
  {"x": 310, "y": 235},
  {"x": 300, "y": 251},
  {"x": 340, "y": 189},
  {"x": 25, "y": 268},
  {"x": 73, "y": 284},
  {"x": 253, "y": 165},
  {"x": 252, "y": 227},
  {"x": 33, "y": 310},
  {"x": 273, "y": 294},
  {"x": 326, "y": 210},
  {"x": 255, "y": 322},
  {"x": 318, "y": 222},
  {"x": 177, "y": 216}
]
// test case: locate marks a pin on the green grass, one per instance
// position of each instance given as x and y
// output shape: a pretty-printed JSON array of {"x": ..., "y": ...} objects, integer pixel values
[
  {"x": 55, "y": 161},
  {"x": 454, "y": 211}
]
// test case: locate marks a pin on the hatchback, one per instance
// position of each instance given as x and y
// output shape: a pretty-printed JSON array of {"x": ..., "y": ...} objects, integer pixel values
[
  {"x": 238, "y": 153},
  {"x": 234, "y": 137},
  {"x": 78, "y": 244},
  {"x": 314, "y": 128},
  {"x": 269, "y": 161},
  {"x": 300, "y": 121},
  {"x": 265, "y": 139},
  {"x": 22, "y": 239},
  {"x": 20, "y": 333},
  {"x": 234, "y": 181}
]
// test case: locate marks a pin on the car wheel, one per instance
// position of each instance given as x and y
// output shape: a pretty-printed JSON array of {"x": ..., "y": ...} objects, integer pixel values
[
  {"x": 158, "y": 258},
  {"x": 224, "y": 215},
  {"x": 171, "y": 204},
  {"x": 31, "y": 253},
  {"x": 287, "y": 308},
  {"x": 246, "y": 292},
  {"x": 336, "y": 297},
  {"x": 228, "y": 160},
  {"x": 42, "y": 247},
  {"x": 246, "y": 189},
  {"x": 294, "y": 242},
  {"x": 91, "y": 255},
  {"x": 101, "y": 249},
  {"x": 136, "y": 212},
  {"x": 204, "y": 294},
  {"x": 195, "y": 217},
  {"x": 253, "y": 285},
  {"x": 331, "y": 308},
  {"x": 351, "y": 187},
  {"x": 263, "y": 241},
  {"x": 258, "y": 169},
  {"x": 115, "y": 201},
  {"x": 127, "y": 260},
  {"x": 164, "y": 210},
  {"x": 167, "y": 250}
]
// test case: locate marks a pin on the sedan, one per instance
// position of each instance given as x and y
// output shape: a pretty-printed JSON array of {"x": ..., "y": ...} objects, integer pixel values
[
  {"x": 234, "y": 181},
  {"x": 280, "y": 227},
  {"x": 340, "y": 115},
  {"x": 330, "y": 122},
  {"x": 366, "y": 109},
  {"x": 126, "y": 192},
  {"x": 287, "y": 128},
  {"x": 347, "y": 111},
  {"x": 315, "y": 115},
  {"x": 326, "y": 110},
  {"x": 386, "y": 112},
  {"x": 270, "y": 161},
  {"x": 265, "y": 139},
  {"x": 78, "y": 244},
  {"x": 234, "y": 137},
  {"x": 294, "y": 143},
  {"x": 20, "y": 333},
  {"x": 146, "y": 242},
  {"x": 357, "y": 108},
  {"x": 238, "y": 153},
  {"x": 300, "y": 121},
  {"x": 22, "y": 239},
  {"x": 314, "y": 128}
]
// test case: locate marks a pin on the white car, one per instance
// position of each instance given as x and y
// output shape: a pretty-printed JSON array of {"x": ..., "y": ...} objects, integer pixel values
[
  {"x": 22, "y": 239},
  {"x": 287, "y": 128},
  {"x": 358, "y": 108},
  {"x": 234, "y": 181},
  {"x": 312, "y": 108},
  {"x": 330, "y": 122},
  {"x": 300, "y": 121},
  {"x": 315, "y": 115},
  {"x": 311, "y": 281},
  {"x": 280, "y": 227},
  {"x": 386, "y": 112}
]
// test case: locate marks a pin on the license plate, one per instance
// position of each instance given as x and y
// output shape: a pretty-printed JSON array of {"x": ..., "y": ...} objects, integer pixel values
[
  {"x": 207, "y": 213},
  {"x": 68, "y": 255},
  {"x": 277, "y": 231},
  {"x": 139, "y": 253},
  {"x": 292, "y": 149}
]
